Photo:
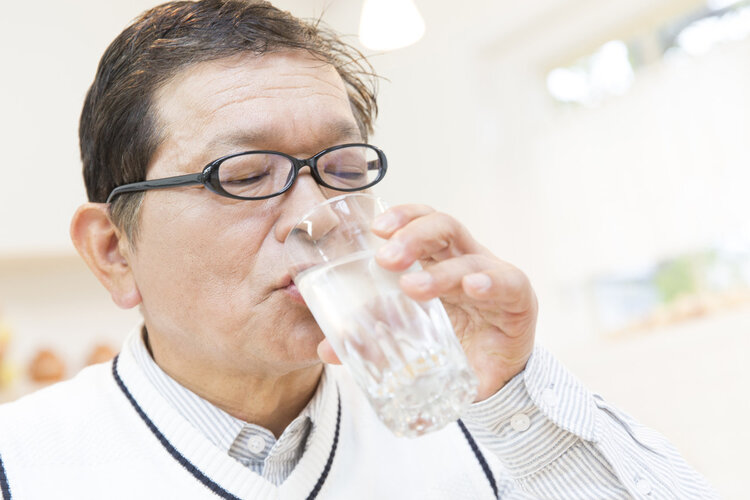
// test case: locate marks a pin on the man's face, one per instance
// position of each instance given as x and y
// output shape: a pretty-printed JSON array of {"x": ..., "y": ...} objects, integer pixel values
[{"x": 210, "y": 269}]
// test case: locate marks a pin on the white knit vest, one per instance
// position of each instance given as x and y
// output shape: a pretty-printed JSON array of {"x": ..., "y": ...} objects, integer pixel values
[{"x": 108, "y": 434}]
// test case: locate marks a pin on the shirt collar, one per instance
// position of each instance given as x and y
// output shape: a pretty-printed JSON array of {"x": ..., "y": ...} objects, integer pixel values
[{"x": 221, "y": 428}]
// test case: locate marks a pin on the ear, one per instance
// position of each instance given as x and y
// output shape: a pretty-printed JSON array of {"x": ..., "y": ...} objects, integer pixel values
[{"x": 106, "y": 251}]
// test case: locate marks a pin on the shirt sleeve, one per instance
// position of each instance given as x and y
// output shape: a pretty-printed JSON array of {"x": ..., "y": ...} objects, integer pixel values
[{"x": 558, "y": 440}]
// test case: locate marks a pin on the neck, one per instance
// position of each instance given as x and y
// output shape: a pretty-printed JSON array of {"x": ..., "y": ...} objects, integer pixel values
[{"x": 270, "y": 401}]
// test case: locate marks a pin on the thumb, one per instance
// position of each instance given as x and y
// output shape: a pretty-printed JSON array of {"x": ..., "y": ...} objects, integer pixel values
[{"x": 326, "y": 354}]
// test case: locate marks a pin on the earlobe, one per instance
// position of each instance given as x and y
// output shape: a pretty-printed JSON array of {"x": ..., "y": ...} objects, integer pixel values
[{"x": 102, "y": 246}]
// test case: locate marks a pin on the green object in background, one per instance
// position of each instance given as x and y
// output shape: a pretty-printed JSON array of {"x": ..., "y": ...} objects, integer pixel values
[{"x": 683, "y": 275}]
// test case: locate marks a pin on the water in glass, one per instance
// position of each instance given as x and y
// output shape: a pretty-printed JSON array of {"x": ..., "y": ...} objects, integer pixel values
[{"x": 403, "y": 353}]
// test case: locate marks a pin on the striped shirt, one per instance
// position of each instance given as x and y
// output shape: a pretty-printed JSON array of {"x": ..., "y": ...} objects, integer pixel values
[
  {"x": 250, "y": 444},
  {"x": 558, "y": 440},
  {"x": 554, "y": 437}
]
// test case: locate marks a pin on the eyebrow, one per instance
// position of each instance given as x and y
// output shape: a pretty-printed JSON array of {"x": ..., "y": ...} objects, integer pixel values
[{"x": 336, "y": 131}]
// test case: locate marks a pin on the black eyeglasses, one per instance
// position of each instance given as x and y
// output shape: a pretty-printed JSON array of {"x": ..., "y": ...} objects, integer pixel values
[{"x": 257, "y": 175}]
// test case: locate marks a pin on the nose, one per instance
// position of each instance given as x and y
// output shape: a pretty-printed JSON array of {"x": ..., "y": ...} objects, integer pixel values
[{"x": 300, "y": 199}]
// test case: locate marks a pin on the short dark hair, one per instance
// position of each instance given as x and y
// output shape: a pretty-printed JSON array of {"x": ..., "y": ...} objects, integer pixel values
[{"x": 118, "y": 130}]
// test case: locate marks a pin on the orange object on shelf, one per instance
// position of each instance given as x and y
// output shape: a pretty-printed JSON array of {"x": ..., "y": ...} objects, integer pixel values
[
  {"x": 7, "y": 371},
  {"x": 100, "y": 354},
  {"x": 4, "y": 339},
  {"x": 47, "y": 367}
]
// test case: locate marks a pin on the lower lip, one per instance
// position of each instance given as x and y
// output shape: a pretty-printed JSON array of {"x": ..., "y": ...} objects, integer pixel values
[{"x": 292, "y": 291}]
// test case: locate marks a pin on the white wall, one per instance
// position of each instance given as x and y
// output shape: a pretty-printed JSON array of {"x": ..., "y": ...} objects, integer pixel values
[{"x": 49, "y": 52}]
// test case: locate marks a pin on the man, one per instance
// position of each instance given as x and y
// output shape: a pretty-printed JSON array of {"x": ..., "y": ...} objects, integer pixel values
[{"x": 221, "y": 392}]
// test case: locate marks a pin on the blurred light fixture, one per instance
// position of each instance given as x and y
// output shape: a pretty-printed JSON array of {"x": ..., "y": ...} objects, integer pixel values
[
  {"x": 720, "y": 4},
  {"x": 607, "y": 72},
  {"x": 568, "y": 84},
  {"x": 699, "y": 37},
  {"x": 390, "y": 24},
  {"x": 611, "y": 72}
]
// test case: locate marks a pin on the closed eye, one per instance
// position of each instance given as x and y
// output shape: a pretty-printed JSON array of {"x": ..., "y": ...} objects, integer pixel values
[
  {"x": 346, "y": 174},
  {"x": 247, "y": 181}
]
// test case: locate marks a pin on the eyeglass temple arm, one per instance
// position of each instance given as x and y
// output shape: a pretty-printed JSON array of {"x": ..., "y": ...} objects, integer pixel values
[{"x": 178, "y": 181}]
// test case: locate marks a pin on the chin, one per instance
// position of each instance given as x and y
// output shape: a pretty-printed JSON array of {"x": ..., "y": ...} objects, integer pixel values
[
  {"x": 305, "y": 346},
  {"x": 284, "y": 335},
  {"x": 299, "y": 345}
]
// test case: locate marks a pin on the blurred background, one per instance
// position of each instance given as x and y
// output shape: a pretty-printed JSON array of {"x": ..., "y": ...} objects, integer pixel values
[{"x": 602, "y": 147}]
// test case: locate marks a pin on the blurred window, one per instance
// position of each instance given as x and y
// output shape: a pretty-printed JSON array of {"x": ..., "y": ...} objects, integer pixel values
[{"x": 610, "y": 70}]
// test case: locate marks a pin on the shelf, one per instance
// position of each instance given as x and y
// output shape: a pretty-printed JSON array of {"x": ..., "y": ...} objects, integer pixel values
[{"x": 39, "y": 262}]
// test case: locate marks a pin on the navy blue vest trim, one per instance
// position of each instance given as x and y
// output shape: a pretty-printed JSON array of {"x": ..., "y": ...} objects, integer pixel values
[
  {"x": 327, "y": 468},
  {"x": 480, "y": 457},
  {"x": 4, "y": 486},
  {"x": 218, "y": 490}
]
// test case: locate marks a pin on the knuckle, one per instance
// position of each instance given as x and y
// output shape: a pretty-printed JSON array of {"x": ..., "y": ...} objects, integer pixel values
[
  {"x": 482, "y": 262},
  {"x": 411, "y": 211},
  {"x": 515, "y": 282},
  {"x": 444, "y": 218},
  {"x": 423, "y": 209}
]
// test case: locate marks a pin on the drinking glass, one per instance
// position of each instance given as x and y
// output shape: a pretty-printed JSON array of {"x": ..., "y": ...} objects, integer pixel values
[{"x": 402, "y": 353}]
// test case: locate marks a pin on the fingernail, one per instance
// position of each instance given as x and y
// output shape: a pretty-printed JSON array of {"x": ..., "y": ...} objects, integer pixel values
[
  {"x": 385, "y": 223},
  {"x": 419, "y": 279},
  {"x": 479, "y": 282},
  {"x": 391, "y": 251}
]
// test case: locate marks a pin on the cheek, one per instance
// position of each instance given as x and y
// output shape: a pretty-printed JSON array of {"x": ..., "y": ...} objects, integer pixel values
[{"x": 201, "y": 256}]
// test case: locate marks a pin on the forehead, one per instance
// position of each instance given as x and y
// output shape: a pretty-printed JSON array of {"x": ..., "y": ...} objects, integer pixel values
[{"x": 261, "y": 101}]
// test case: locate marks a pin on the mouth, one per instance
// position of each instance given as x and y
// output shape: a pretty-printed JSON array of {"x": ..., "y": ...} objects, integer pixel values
[{"x": 287, "y": 286}]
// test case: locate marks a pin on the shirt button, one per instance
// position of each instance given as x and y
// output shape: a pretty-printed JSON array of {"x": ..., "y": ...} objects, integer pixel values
[
  {"x": 520, "y": 422},
  {"x": 256, "y": 444},
  {"x": 643, "y": 486},
  {"x": 549, "y": 397}
]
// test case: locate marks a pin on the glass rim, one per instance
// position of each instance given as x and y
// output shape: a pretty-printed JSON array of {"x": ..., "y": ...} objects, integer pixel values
[{"x": 358, "y": 194}]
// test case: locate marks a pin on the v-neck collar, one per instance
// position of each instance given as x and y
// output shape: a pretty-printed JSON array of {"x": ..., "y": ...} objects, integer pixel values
[{"x": 212, "y": 466}]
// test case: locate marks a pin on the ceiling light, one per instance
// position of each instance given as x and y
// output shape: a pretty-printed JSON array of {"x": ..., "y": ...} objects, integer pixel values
[{"x": 390, "y": 24}]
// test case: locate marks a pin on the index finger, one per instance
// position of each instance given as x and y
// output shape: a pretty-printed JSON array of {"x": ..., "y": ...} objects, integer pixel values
[{"x": 397, "y": 217}]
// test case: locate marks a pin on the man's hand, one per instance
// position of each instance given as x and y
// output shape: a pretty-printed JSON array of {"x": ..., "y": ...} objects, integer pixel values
[{"x": 490, "y": 303}]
